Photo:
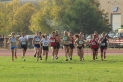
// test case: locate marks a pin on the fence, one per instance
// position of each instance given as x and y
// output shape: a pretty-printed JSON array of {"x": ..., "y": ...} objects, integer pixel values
[
  {"x": 113, "y": 43},
  {"x": 5, "y": 45}
]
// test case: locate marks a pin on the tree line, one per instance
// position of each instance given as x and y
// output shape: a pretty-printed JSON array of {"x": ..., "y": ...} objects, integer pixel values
[{"x": 49, "y": 15}]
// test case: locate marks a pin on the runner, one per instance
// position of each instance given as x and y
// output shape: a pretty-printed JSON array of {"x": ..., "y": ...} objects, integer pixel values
[
  {"x": 13, "y": 46},
  {"x": 71, "y": 45},
  {"x": 45, "y": 43},
  {"x": 94, "y": 46},
  {"x": 40, "y": 56},
  {"x": 66, "y": 44},
  {"x": 82, "y": 38},
  {"x": 36, "y": 42},
  {"x": 53, "y": 44},
  {"x": 57, "y": 43},
  {"x": 23, "y": 42},
  {"x": 79, "y": 42},
  {"x": 103, "y": 45},
  {"x": 97, "y": 39},
  {"x": 43, "y": 37}
]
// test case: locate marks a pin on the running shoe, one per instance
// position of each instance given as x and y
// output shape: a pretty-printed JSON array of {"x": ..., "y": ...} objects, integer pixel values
[
  {"x": 12, "y": 60},
  {"x": 70, "y": 58},
  {"x": 93, "y": 58},
  {"x": 56, "y": 57},
  {"x": 104, "y": 56},
  {"x": 40, "y": 58},
  {"x": 66, "y": 59},
  {"x": 16, "y": 56},
  {"x": 35, "y": 55},
  {"x": 52, "y": 58}
]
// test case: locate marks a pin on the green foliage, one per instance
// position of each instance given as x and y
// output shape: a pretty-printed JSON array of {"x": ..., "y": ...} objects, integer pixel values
[
  {"x": 23, "y": 17},
  {"x": 85, "y": 17},
  {"x": 49, "y": 15}
]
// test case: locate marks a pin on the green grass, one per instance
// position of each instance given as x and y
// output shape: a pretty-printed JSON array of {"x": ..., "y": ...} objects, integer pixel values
[{"x": 110, "y": 70}]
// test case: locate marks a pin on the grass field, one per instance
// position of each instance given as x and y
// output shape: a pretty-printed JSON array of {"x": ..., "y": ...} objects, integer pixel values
[{"x": 110, "y": 70}]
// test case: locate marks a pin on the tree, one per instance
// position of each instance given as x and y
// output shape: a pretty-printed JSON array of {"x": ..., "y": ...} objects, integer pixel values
[
  {"x": 3, "y": 19},
  {"x": 22, "y": 18},
  {"x": 7, "y": 16},
  {"x": 85, "y": 17},
  {"x": 41, "y": 19}
]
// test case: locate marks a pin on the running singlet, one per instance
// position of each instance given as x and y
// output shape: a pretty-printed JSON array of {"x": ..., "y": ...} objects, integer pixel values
[
  {"x": 53, "y": 41},
  {"x": 93, "y": 43},
  {"x": 37, "y": 39},
  {"x": 80, "y": 42},
  {"x": 65, "y": 38},
  {"x": 45, "y": 42},
  {"x": 12, "y": 40},
  {"x": 103, "y": 42},
  {"x": 23, "y": 40}
]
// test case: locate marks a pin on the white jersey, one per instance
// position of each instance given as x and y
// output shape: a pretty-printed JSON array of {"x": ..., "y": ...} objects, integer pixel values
[
  {"x": 45, "y": 42},
  {"x": 23, "y": 39}
]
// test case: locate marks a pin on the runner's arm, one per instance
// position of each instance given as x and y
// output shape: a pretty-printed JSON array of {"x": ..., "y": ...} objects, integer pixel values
[
  {"x": 33, "y": 41},
  {"x": 9, "y": 41}
]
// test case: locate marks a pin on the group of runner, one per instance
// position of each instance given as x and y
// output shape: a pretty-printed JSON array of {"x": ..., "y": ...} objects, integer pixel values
[{"x": 41, "y": 43}]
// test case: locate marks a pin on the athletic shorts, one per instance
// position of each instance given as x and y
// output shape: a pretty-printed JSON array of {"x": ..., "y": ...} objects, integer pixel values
[
  {"x": 103, "y": 48},
  {"x": 79, "y": 47},
  {"x": 24, "y": 47},
  {"x": 54, "y": 47},
  {"x": 37, "y": 45},
  {"x": 71, "y": 46},
  {"x": 13, "y": 47},
  {"x": 83, "y": 45},
  {"x": 66, "y": 45},
  {"x": 41, "y": 45},
  {"x": 45, "y": 48},
  {"x": 57, "y": 45}
]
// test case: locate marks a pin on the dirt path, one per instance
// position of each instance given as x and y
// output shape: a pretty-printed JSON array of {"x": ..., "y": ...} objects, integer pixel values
[{"x": 30, "y": 52}]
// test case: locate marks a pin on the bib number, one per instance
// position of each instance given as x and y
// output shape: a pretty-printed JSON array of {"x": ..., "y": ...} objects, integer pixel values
[
  {"x": 37, "y": 39},
  {"x": 102, "y": 44},
  {"x": 80, "y": 42},
  {"x": 65, "y": 38},
  {"x": 23, "y": 43},
  {"x": 13, "y": 40},
  {"x": 52, "y": 40},
  {"x": 93, "y": 43},
  {"x": 45, "y": 44}
]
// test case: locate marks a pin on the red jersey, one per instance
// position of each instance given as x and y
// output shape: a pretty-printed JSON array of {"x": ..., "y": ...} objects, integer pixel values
[
  {"x": 93, "y": 43},
  {"x": 53, "y": 41}
]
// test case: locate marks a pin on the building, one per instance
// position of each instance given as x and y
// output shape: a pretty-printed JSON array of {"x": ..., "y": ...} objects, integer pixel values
[{"x": 114, "y": 8}]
